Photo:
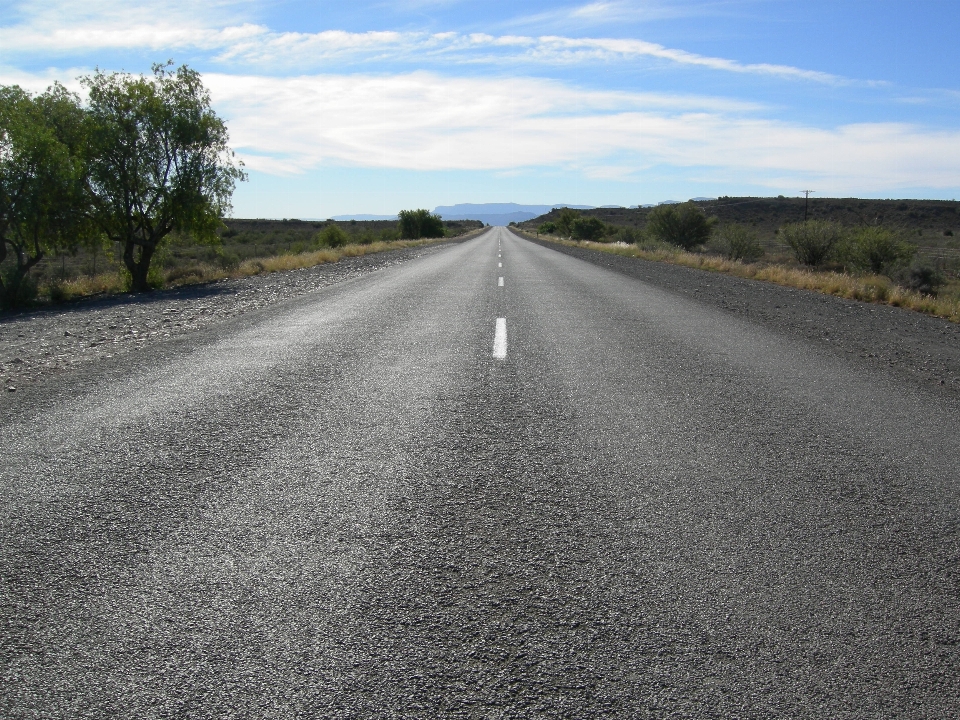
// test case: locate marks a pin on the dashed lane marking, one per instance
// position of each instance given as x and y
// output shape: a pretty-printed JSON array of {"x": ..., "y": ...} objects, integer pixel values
[
  {"x": 500, "y": 339},
  {"x": 500, "y": 282}
]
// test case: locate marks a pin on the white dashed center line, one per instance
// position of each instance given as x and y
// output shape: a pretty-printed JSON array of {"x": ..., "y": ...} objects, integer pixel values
[
  {"x": 500, "y": 339},
  {"x": 500, "y": 282},
  {"x": 499, "y": 264}
]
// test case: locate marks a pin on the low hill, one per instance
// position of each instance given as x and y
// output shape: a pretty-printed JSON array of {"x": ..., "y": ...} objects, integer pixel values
[{"x": 934, "y": 223}]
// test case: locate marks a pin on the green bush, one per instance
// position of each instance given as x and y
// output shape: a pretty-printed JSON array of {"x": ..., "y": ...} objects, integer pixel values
[
  {"x": 332, "y": 236},
  {"x": 876, "y": 249},
  {"x": 547, "y": 228},
  {"x": 587, "y": 228},
  {"x": 920, "y": 277},
  {"x": 416, "y": 224},
  {"x": 682, "y": 225},
  {"x": 812, "y": 241},
  {"x": 565, "y": 221},
  {"x": 737, "y": 242},
  {"x": 626, "y": 235}
]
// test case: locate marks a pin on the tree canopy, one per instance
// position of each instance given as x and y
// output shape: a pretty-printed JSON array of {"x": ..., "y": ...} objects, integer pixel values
[
  {"x": 421, "y": 223},
  {"x": 43, "y": 199},
  {"x": 160, "y": 162}
]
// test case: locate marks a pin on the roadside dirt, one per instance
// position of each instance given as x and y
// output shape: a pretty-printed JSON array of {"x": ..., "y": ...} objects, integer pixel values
[{"x": 40, "y": 344}]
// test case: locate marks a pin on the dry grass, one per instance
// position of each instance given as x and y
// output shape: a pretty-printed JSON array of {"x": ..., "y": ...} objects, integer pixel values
[
  {"x": 867, "y": 288},
  {"x": 196, "y": 273}
]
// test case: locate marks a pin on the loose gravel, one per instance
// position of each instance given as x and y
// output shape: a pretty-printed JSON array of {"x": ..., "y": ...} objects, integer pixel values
[{"x": 37, "y": 345}]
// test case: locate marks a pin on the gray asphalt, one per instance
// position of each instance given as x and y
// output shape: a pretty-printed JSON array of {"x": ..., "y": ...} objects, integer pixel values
[{"x": 345, "y": 506}]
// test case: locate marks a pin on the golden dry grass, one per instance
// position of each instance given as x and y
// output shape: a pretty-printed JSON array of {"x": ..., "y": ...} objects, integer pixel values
[
  {"x": 867, "y": 288},
  {"x": 196, "y": 273}
]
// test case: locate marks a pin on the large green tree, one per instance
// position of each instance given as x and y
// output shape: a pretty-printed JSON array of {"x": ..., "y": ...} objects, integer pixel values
[
  {"x": 160, "y": 162},
  {"x": 43, "y": 199}
]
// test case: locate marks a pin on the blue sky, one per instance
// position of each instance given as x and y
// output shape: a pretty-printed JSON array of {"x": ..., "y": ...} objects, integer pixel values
[{"x": 371, "y": 107}]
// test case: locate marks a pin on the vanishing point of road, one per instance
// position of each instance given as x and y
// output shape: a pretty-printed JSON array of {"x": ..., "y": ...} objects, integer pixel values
[{"x": 496, "y": 481}]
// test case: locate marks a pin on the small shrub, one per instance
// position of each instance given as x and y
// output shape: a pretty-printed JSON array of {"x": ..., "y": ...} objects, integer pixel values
[
  {"x": 332, "y": 236},
  {"x": 587, "y": 228},
  {"x": 875, "y": 249},
  {"x": 920, "y": 277},
  {"x": 736, "y": 242},
  {"x": 683, "y": 225},
  {"x": 626, "y": 235},
  {"x": 547, "y": 228},
  {"x": 58, "y": 293},
  {"x": 228, "y": 260},
  {"x": 812, "y": 241},
  {"x": 565, "y": 220}
]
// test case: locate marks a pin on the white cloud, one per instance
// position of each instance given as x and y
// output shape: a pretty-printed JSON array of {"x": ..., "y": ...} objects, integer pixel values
[
  {"x": 299, "y": 49},
  {"x": 422, "y": 121},
  {"x": 70, "y": 27}
]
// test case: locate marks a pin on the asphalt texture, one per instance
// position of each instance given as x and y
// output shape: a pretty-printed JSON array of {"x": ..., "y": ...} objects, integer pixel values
[{"x": 343, "y": 505}]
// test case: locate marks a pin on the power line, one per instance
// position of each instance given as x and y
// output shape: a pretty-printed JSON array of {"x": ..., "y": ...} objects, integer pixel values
[{"x": 806, "y": 200}]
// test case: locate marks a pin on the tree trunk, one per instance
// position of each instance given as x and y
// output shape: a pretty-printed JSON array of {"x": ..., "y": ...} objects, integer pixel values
[
  {"x": 138, "y": 266},
  {"x": 11, "y": 289}
]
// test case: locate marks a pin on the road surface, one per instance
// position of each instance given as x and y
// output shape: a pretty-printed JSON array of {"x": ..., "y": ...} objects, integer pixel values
[{"x": 493, "y": 482}]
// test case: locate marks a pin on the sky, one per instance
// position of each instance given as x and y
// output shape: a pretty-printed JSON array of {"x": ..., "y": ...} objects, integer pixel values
[{"x": 371, "y": 107}]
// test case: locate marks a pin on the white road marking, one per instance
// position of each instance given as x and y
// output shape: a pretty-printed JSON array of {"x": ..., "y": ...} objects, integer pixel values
[
  {"x": 500, "y": 282},
  {"x": 500, "y": 339},
  {"x": 499, "y": 264}
]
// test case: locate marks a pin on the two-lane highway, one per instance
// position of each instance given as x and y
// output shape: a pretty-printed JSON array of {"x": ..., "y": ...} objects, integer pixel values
[{"x": 497, "y": 481}]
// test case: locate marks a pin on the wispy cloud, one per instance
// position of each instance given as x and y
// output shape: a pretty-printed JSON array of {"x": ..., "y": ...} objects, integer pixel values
[
  {"x": 422, "y": 121},
  {"x": 68, "y": 28},
  {"x": 297, "y": 49},
  {"x": 606, "y": 12}
]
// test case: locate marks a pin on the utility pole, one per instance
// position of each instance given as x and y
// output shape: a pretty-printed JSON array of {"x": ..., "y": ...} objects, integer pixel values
[{"x": 806, "y": 200}]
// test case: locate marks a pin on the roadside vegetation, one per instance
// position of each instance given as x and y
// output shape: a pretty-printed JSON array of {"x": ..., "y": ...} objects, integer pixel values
[
  {"x": 868, "y": 262},
  {"x": 243, "y": 248},
  {"x": 131, "y": 190}
]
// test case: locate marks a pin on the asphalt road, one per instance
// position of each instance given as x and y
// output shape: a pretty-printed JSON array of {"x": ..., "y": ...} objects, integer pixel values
[{"x": 348, "y": 505}]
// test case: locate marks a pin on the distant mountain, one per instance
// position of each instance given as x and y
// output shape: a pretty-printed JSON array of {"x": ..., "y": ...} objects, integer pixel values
[
  {"x": 341, "y": 218},
  {"x": 499, "y": 213}
]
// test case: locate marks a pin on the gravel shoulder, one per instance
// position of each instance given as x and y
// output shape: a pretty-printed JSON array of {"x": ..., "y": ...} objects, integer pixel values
[
  {"x": 918, "y": 347},
  {"x": 39, "y": 345}
]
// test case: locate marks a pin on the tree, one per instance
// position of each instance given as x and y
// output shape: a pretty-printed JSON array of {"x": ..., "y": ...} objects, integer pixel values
[
  {"x": 415, "y": 224},
  {"x": 684, "y": 225},
  {"x": 43, "y": 202},
  {"x": 547, "y": 228},
  {"x": 160, "y": 163}
]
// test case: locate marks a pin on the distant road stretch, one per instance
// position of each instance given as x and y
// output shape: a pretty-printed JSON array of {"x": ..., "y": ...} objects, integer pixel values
[{"x": 493, "y": 482}]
